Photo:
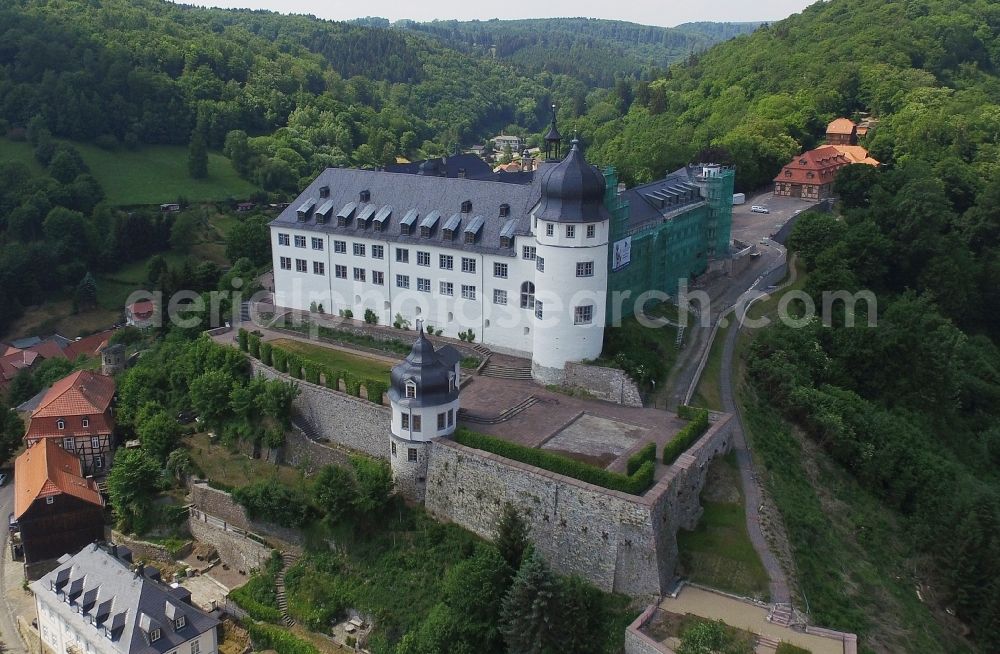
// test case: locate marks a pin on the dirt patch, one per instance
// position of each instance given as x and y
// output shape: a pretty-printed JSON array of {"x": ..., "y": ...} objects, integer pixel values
[{"x": 722, "y": 483}]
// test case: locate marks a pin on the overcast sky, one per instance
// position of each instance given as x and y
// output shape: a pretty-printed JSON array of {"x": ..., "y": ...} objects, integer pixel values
[{"x": 650, "y": 12}]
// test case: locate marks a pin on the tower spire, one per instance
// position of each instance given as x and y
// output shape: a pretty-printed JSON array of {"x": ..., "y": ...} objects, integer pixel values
[{"x": 553, "y": 139}]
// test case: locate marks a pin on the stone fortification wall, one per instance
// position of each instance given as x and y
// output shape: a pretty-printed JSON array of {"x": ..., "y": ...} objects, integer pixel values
[
  {"x": 637, "y": 642},
  {"x": 310, "y": 456},
  {"x": 608, "y": 384},
  {"x": 620, "y": 542},
  {"x": 235, "y": 549},
  {"x": 344, "y": 419},
  {"x": 220, "y": 504}
]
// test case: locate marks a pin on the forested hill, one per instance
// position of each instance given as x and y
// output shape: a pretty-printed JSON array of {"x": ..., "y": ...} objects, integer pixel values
[
  {"x": 149, "y": 71},
  {"x": 593, "y": 50},
  {"x": 908, "y": 408},
  {"x": 932, "y": 63}
]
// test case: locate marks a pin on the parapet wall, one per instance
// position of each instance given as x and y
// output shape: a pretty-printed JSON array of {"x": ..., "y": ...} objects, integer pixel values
[
  {"x": 608, "y": 384},
  {"x": 344, "y": 419}
]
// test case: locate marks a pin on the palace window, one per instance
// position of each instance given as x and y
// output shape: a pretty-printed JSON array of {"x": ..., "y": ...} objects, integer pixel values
[
  {"x": 301, "y": 265},
  {"x": 283, "y": 239},
  {"x": 319, "y": 268},
  {"x": 378, "y": 278},
  {"x": 538, "y": 309},
  {"x": 528, "y": 252},
  {"x": 423, "y": 258},
  {"x": 300, "y": 241},
  {"x": 583, "y": 315},
  {"x": 378, "y": 252},
  {"x": 154, "y": 635},
  {"x": 527, "y": 295},
  {"x": 423, "y": 285},
  {"x": 442, "y": 420},
  {"x": 340, "y": 272},
  {"x": 540, "y": 264},
  {"x": 499, "y": 296},
  {"x": 340, "y": 247},
  {"x": 179, "y": 624},
  {"x": 550, "y": 229},
  {"x": 447, "y": 288},
  {"x": 468, "y": 265},
  {"x": 403, "y": 281},
  {"x": 500, "y": 270},
  {"x": 394, "y": 448},
  {"x": 585, "y": 269},
  {"x": 286, "y": 263},
  {"x": 359, "y": 249},
  {"x": 415, "y": 423},
  {"x": 446, "y": 262},
  {"x": 591, "y": 231},
  {"x": 359, "y": 274},
  {"x": 570, "y": 231},
  {"x": 317, "y": 243},
  {"x": 468, "y": 292},
  {"x": 402, "y": 255},
  {"x": 411, "y": 454}
]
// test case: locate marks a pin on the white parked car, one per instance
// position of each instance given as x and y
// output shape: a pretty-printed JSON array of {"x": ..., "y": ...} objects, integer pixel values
[{"x": 759, "y": 209}]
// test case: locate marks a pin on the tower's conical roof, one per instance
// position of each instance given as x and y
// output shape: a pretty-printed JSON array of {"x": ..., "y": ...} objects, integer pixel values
[{"x": 572, "y": 190}]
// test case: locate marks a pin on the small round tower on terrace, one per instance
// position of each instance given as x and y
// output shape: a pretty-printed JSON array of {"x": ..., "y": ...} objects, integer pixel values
[{"x": 423, "y": 395}]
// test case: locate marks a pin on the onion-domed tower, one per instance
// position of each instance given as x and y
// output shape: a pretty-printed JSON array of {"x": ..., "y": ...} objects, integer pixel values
[
  {"x": 424, "y": 398},
  {"x": 571, "y": 266}
]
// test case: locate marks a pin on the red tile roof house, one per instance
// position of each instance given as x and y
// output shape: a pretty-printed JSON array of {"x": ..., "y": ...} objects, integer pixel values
[
  {"x": 76, "y": 413},
  {"x": 57, "y": 510},
  {"x": 12, "y": 361},
  {"x": 139, "y": 313},
  {"x": 810, "y": 175}
]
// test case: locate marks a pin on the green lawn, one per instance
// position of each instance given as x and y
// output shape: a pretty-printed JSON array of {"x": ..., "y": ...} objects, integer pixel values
[
  {"x": 718, "y": 553},
  {"x": 357, "y": 365},
  {"x": 153, "y": 174}
]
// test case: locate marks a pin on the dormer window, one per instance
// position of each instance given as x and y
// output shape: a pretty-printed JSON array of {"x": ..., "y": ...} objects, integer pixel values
[
  {"x": 154, "y": 635},
  {"x": 86, "y": 422},
  {"x": 467, "y": 206},
  {"x": 180, "y": 622},
  {"x": 504, "y": 210},
  {"x": 365, "y": 196},
  {"x": 324, "y": 191},
  {"x": 61, "y": 424},
  {"x": 411, "y": 390}
]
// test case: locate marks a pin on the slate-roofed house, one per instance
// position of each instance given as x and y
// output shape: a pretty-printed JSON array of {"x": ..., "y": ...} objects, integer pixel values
[
  {"x": 57, "y": 510},
  {"x": 520, "y": 259},
  {"x": 95, "y": 603},
  {"x": 76, "y": 413}
]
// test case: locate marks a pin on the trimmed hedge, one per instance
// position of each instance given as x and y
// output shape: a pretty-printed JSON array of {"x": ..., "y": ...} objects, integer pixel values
[
  {"x": 686, "y": 437},
  {"x": 265, "y": 636},
  {"x": 687, "y": 412},
  {"x": 294, "y": 365},
  {"x": 635, "y": 484},
  {"x": 265, "y": 354},
  {"x": 647, "y": 453},
  {"x": 375, "y": 390},
  {"x": 311, "y": 371},
  {"x": 253, "y": 342},
  {"x": 279, "y": 359},
  {"x": 241, "y": 336}
]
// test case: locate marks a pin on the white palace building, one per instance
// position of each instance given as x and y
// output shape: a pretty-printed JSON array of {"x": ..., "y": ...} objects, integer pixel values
[{"x": 520, "y": 259}]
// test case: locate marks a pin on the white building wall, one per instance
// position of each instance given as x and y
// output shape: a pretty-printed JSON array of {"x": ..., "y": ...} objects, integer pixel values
[
  {"x": 558, "y": 338},
  {"x": 59, "y": 632},
  {"x": 428, "y": 422},
  {"x": 505, "y": 328}
]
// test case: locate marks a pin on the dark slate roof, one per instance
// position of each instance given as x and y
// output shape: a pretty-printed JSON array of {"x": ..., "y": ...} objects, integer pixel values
[
  {"x": 120, "y": 600},
  {"x": 423, "y": 195},
  {"x": 662, "y": 198},
  {"x": 431, "y": 371},
  {"x": 572, "y": 191}
]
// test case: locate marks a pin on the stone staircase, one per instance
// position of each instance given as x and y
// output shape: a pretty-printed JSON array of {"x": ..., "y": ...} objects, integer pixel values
[
  {"x": 506, "y": 372},
  {"x": 781, "y": 615},
  {"x": 767, "y": 643},
  {"x": 482, "y": 350},
  {"x": 287, "y": 561},
  {"x": 503, "y": 416},
  {"x": 245, "y": 312},
  {"x": 305, "y": 427}
]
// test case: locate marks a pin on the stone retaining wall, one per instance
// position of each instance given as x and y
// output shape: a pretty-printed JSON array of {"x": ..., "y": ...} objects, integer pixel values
[
  {"x": 637, "y": 642},
  {"x": 221, "y": 505},
  {"x": 344, "y": 419},
  {"x": 147, "y": 551},
  {"x": 235, "y": 550},
  {"x": 608, "y": 384},
  {"x": 310, "y": 456}
]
